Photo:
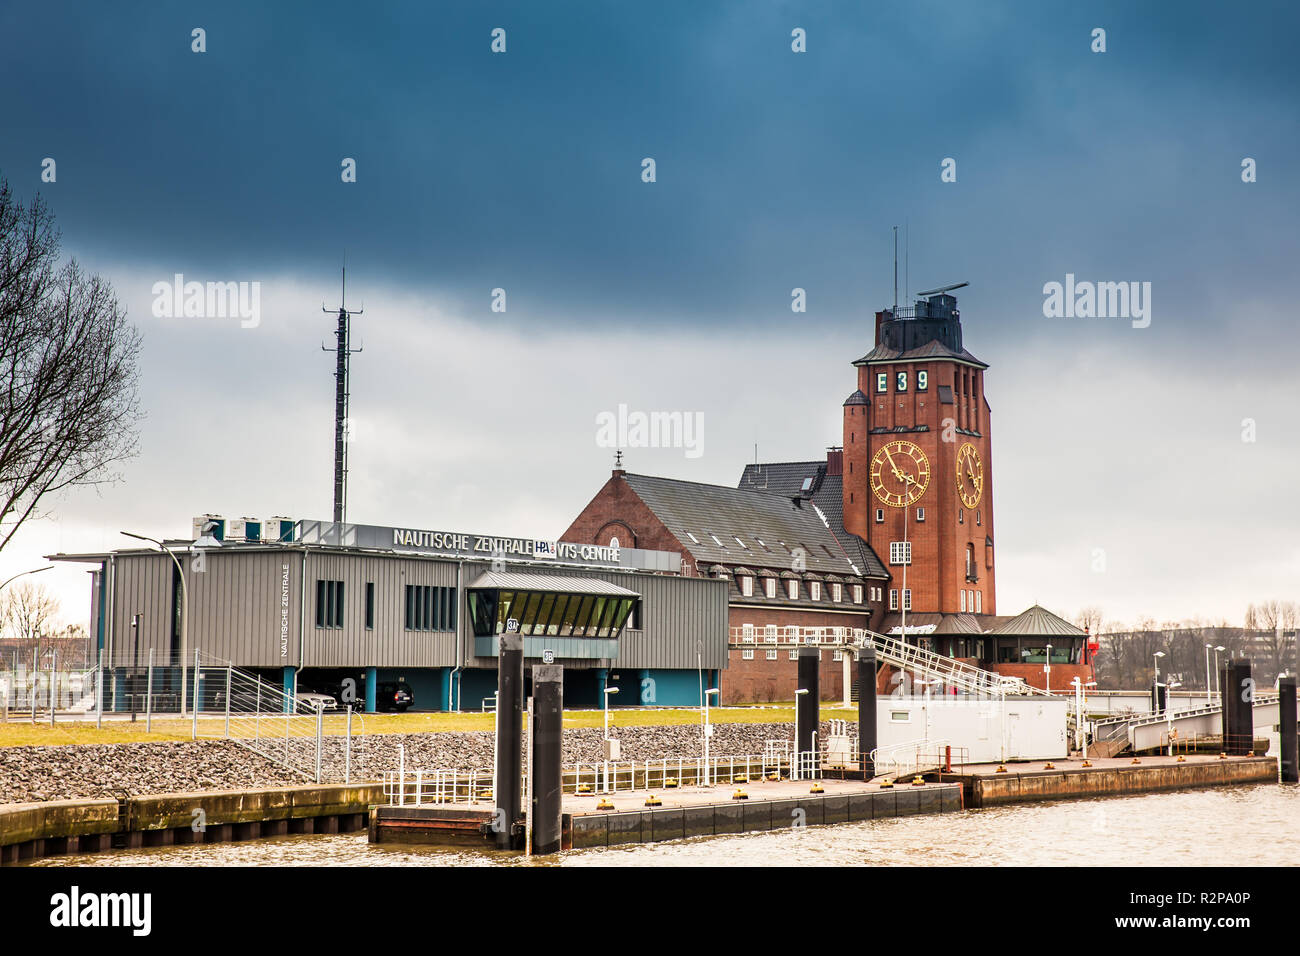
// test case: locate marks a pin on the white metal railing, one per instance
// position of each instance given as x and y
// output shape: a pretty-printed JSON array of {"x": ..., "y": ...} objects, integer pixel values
[
  {"x": 413, "y": 788},
  {"x": 403, "y": 787},
  {"x": 896, "y": 652},
  {"x": 908, "y": 757}
]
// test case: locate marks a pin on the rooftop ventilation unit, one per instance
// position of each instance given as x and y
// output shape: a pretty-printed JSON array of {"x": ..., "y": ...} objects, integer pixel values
[{"x": 210, "y": 526}]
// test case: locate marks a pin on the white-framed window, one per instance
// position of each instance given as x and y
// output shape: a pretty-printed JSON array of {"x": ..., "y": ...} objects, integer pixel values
[
  {"x": 893, "y": 599},
  {"x": 857, "y": 594},
  {"x": 769, "y": 587},
  {"x": 979, "y": 602},
  {"x": 747, "y": 586},
  {"x": 920, "y": 514},
  {"x": 794, "y": 654},
  {"x": 907, "y": 599},
  {"x": 815, "y": 590},
  {"x": 747, "y": 633},
  {"x": 838, "y": 655},
  {"x": 963, "y": 601},
  {"x": 769, "y": 633},
  {"x": 900, "y": 552},
  {"x": 837, "y": 592},
  {"x": 747, "y": 654},
  {"x": 880, "y": 516},
  {"x": 771, "y": 653},
  {"x": 792, "y": 589}
]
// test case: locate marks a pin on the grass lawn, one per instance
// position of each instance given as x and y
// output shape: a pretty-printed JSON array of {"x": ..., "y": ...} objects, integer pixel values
[{"x": 23, "y": 733}]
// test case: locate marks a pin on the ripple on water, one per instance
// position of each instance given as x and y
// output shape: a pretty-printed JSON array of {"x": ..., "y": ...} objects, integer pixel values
[{"x": 1192, "y": 828}]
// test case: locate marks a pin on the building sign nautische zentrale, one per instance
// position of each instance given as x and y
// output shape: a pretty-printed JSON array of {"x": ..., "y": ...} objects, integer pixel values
[
  {"x": 484, "y": 546},
  {"x": 475, "y": 545}
]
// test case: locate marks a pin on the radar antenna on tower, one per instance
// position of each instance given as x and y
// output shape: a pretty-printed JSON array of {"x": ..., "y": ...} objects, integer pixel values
[{"x": 342, "y": 351}]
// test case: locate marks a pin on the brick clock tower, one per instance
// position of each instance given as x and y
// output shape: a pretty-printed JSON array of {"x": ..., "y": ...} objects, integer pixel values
[{"x": 918, "y": 465}]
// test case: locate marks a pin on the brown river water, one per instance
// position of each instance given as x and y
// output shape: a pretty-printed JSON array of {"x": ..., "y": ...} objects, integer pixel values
[{"x": 1215, "y": 827}]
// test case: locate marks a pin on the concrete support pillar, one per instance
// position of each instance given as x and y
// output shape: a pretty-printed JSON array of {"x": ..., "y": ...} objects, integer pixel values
[
  {"x": 444, "y": 688},
  {"x": 1290, "y": 759},
  {"x": 547, "y": 731},
  {"x": 510, "y": 736},
  {"x": 807, "y": 706},
  {"x": 867, "y": 731},
  {"x": 287, "y": 675},
  {"x": 372, "y": 688}
]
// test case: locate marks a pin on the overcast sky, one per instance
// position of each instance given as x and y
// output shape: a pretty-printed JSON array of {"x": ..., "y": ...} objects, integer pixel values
[{"x": 775, "y": 170}]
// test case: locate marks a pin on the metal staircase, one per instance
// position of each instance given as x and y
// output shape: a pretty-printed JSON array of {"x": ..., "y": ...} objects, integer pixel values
[{"x": 947, "y": 670}]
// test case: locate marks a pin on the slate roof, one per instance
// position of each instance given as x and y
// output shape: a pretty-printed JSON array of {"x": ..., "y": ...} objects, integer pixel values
[
  {"x": 787, "y": 478},
  {"x": 769, "y": 525},
  {"x": 1036, "y": 622},
  {"x": 931, "y": 350},
  {"x": 1039, "y": 622}
]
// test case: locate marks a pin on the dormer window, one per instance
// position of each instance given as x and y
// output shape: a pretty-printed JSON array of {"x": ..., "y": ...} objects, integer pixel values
[
  {"x": 815, "y": 590},
  {"x": 747, "y": 586},
  {"x": 769, "y": 587},
  {"x": 857, "y": 594},
  {"x": 837, "y": 592},
  {"x": 792, "y": 589}
]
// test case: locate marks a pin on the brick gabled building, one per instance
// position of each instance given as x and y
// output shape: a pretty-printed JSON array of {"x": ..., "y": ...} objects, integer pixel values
[{"x": 790, "y": 567}]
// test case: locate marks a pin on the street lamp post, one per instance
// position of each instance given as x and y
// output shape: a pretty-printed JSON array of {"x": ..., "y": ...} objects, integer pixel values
[
  {"x": 1047, "y": 668},
  {"x": 185, "y": 610},
  {"x": 1155, "y": 684},
  {"x": 608, "y": 691},
  {"x": 794, "y": 774},
  {"x": 1217, "y": 688},
  {"x": 708, "y": 732},
  {"x": 1209, "y": 701},
  {"x": 1169, "y": 715}
]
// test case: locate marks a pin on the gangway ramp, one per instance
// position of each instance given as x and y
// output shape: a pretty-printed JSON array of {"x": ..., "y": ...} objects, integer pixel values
[{"x": 967, "y": 678}]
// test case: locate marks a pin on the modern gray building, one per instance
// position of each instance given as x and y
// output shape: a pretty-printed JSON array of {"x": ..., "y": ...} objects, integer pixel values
[{"x": 314, "y": 604}]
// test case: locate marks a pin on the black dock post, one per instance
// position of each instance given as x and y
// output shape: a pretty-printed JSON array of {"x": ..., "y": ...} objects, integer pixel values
[
  {"x": 807, "y": 706},
  {"x": 1238, "y": 708},
  {"x": 867, "y": 709},
  {"x": 510, "y": 737},
  {"x": 547, "y": 729},
  {"x": 1286, "y": 712},
  {"x": 1159, "y": 698}
]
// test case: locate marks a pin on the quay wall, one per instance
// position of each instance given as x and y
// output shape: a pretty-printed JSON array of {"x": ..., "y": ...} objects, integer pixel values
[
  {"x": 54, "y": 827},
  {"x": 990, "y": 790}
]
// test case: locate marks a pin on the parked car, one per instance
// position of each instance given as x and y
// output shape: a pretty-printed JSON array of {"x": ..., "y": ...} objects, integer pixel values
[
  {"x": 318, "y": 701},
  {"x": 394, "y": 695}
]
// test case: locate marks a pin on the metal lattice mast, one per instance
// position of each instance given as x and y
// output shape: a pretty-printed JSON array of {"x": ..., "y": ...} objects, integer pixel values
[{"x": 341, "y": 392}]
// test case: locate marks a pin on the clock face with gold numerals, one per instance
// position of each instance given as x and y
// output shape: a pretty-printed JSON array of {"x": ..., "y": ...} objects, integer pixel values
[
  {"x": 970, "y": 475},
  {"x": 900, "y": 473}
]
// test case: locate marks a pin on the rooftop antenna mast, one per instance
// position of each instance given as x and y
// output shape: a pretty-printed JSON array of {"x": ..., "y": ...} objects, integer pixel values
[
  {"x": 342, "y": 352},
  {"x": 895, "y": 268}
]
